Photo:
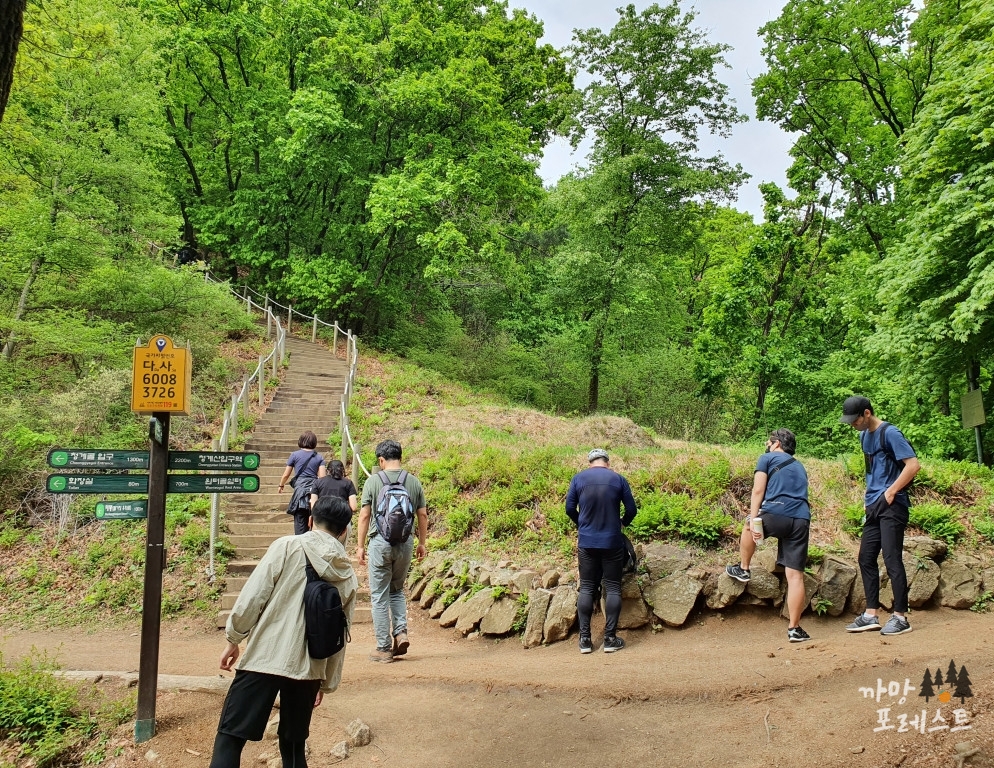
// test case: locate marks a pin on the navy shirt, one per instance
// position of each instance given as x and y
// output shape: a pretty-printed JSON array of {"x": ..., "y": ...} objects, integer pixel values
[
  {"x": 305, "y": 462},
  {"x": 786, "y": 488},
  {"x": 599, "y": 492},
  {"x": 884, "y": 469}
]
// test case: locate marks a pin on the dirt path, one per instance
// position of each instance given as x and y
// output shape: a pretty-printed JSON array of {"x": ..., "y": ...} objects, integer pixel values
[{"x": 723, "y": 691}]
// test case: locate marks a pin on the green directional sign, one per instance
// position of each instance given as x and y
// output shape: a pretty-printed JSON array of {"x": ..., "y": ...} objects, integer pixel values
[
  {"x": 232, "y": 461},
  {"x": 139, "y": 484},
  {"x": 97, "y": 458},
  {"x": 135, "y": 509},
  {"x": 212, "y": 484},
  {"x": 97, "y": 484}
]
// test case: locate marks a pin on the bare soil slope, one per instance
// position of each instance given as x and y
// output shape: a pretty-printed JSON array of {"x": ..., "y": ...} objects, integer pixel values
[{"x": 724, "y": 691}]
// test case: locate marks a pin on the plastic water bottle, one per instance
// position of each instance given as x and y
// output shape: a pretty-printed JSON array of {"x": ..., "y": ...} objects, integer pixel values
[{"x": 756, "y": 523}]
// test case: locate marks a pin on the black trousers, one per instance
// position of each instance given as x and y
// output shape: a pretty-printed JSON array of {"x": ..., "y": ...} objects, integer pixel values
[
  {"x": 300, "y": 523},
  {"x": 884, "y": 531},
  {"x": 597, "y": 565}
]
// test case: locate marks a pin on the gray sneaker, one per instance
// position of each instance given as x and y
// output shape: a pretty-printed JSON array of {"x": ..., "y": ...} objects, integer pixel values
[
  {"x": 863, "y": 623},
  {"x": 896, "y": 626}
]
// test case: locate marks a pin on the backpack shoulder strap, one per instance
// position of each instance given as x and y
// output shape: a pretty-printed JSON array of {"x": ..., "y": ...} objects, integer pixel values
[
  {"x": 383, "y": 477},
  {"x": 883, "y": 441},
  {"x": 787, "y": 463},
  {"x": 402, "y": 476}
]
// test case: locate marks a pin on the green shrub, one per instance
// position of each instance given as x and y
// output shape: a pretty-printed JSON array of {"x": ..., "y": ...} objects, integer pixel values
[
  {"x": 985, "y": 527},
  {"x": 508, "y": 523},
  {"x": 937, "y": 520},
  {"x": 815, "y": 555},
  {"x": 678, "y": 513},
  {"x": 459, "y": 522},
  {"x": 195, "y": 539},
  {"x": 852, "y": 519}
]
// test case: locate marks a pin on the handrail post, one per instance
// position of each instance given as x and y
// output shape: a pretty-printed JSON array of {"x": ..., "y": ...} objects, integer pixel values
[
  {"x": 275, "y": 356},
  {"x": 314, "y": 330},
  {"x": 343, "y": 428},
  {"x": 245, "y": 396},
  {"x": 262, "y": 377},
  {"x": 334, "y": 343},
  {"x": 215, "y": 515},
  {"x": 355, "y": 465},
  {"x": 289, "y": 317},
  {"x": 234, "y": 416},
  {"x": 269, "y": 320}
]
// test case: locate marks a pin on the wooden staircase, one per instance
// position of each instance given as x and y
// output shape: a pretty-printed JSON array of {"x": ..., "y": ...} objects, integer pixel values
[{"x": 309, "y": 398}]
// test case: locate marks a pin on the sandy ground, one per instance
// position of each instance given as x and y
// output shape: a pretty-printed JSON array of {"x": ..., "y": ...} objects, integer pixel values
[{"x": 723, "y": 691}]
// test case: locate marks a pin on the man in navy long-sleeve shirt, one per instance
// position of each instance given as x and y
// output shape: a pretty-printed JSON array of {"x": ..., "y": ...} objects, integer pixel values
[{"x": 594, "y": 502}]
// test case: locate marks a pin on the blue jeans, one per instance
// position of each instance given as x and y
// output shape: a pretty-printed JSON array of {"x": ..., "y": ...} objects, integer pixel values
[{"x": 388, "y": 567}]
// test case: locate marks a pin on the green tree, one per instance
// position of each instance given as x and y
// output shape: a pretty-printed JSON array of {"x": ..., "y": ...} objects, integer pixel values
[
  {"x": 938, "y": 281},
  {"x": 653, "y": 86}
]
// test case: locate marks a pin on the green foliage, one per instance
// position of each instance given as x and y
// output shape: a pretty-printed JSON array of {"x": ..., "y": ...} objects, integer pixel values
[
  {"x": 937, "y": 520},
  {"x": 815, "y": 555},
  {"x": 500, "y": 592},
  {"x": 521, "y": 617},
  {"x": 985, "y": 527},
  {"x": 46, "y": 719},
  {"x": 983, "y": 602},
  {"x": 681, "y": 515},
  {"x": 821, "y": 605},
  {"x": 852, "y": 519},
  {"x": 502, "y": 525}
]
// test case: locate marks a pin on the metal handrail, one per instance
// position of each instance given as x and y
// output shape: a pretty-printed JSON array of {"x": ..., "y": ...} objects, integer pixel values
[{"x": 229, "y": 424}]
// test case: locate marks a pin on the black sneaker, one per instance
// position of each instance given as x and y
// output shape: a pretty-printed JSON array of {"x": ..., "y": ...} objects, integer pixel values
[
  {"x": 612, "y": 644},
  {"x": 896, "y": 625},
  {"x": 738, "y": 573},
  {"x": 585, "y": 645},
  {"x": 864, "y": 623},
  {"x": 797, "y": 635}
]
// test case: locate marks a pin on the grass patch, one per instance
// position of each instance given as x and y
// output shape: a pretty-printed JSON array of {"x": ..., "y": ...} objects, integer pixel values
[{"x": 937, "y": 520}]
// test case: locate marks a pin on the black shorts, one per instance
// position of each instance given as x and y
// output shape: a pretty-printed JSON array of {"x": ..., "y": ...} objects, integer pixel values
[
  {"x": 250, "y": 700},
  {"x": 791, "y": 534}
]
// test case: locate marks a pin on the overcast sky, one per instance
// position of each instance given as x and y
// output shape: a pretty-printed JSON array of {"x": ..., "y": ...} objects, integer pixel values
[{"x": 761, "y": 148}]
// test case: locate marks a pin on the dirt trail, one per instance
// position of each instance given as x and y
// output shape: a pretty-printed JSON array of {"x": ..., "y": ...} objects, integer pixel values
[{"x": 726, "y": 691}]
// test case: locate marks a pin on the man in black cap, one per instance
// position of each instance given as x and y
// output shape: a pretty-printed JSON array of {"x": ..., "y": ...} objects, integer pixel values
[
  {"x": 891, "y": 465},
  {"x": 594, "y": 502}
]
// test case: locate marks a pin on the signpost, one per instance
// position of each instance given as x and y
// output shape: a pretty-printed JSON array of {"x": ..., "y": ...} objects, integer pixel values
[
  {"x": 160, "y": 386},
  {"x": 972, "y": 405},
  {"x": 135, "y": 509}
]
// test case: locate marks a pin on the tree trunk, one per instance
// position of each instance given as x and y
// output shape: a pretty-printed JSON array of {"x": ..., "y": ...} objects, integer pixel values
[
  {"x": 11, "y": 29},
  {"x": 8, "y": 347}
]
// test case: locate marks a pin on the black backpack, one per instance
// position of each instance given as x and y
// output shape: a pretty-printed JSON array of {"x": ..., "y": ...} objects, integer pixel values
[
  {"x": 394, "y": 509},
  {"x": 327, "y": 626},
  {"x": 888, "y": 452}
]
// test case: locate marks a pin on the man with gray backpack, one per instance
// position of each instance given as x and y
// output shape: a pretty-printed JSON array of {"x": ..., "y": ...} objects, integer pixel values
[{"x": 392, "y": 499}]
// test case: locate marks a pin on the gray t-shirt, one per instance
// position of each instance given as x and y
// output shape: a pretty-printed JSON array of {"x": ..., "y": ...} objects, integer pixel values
[{"x": 371, "y": 489}]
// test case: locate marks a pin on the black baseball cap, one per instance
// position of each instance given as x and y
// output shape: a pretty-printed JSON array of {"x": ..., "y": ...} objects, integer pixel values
[{"x": 853, "y": 408}]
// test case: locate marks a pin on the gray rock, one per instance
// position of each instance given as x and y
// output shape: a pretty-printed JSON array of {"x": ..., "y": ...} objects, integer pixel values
[
  {"x": 837, "y": 578},
  {"x": 886, "y": 590},
  {"x": 747, "y": 599},
  {"x": 474, "y": 610},
  {"x": 766, "y": 558},
  {"x": 726, "y": 591},
  {"x": 340, "y": 750},
  {"x": 561, "y": 616},
  {"x": 271, "y": 727},
  {"x": 417, "y": 590},
  {"x": 427, "y": 596},
  {"x": 959, "y": 582},
  {"x": 630, "y": 589},
  {"x": 924, "y": 547},
  {"x": 987, "y": 578},
  {"x": 501, "y": 577},
  {"x": 673, "y": 598},
  {"x": 523, "y": 582},
  {"x": 923, "y": 575},
  {"x": 661, "y": 560},
  {"x": 500, "y": 618},
  {"x": 762, "y": 583},
  {"x": 811, "y": 585},
  {"x": 538, "y": 607},
  {"x": 359, "y": 733},
  {"x": 151, "y": 756},
  {"x": 857, "y": 597},
  {"x": 450, "y": 615},
  {"x": 550, "y": 579},
  {"x": 485, "y": 576}
]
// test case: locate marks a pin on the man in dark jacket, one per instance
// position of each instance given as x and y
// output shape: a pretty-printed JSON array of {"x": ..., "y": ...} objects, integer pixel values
[{"x": 594, "y": 502}]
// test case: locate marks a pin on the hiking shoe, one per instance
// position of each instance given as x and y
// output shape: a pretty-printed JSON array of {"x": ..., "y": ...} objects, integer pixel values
[
  {"x": 382, "y": 656},
  {"x": 586, "y": 646},
  {"x": 896, "y": 626},
  {"x": 612, "y": 644},
  {"x": 797, "y": 635},
  {"x": 738, "y": 573},
  {"x": 400, "y": 644},
  {"x": 863, "y": 623}
]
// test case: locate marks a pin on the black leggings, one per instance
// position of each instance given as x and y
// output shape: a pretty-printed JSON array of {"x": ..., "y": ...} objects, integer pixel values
[
  {"x": 228, "y": 752},
  {"x": 597, "y": 565}
]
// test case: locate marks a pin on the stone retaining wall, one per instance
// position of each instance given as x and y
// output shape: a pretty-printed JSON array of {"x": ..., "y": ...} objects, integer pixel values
[{"x": 502, "y": 599}]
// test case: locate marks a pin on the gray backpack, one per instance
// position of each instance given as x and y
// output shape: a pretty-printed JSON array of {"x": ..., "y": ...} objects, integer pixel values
[{"x": 394, "y": 513}]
